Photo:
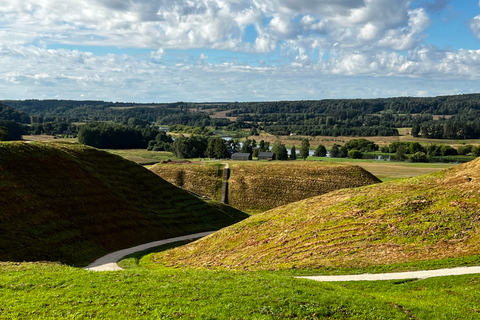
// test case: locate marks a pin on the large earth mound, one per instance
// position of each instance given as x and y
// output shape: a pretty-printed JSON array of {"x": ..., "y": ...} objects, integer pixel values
[
  {"x": 259, "y": 186},
  {"x": 71, "y": 203},
  {"x": 423, "y": 218}
]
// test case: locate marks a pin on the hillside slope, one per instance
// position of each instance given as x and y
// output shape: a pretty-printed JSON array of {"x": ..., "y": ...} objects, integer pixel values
[
  {"x": 260, "y": 186},
  {"x": 423, "y": 218},
  {"x": 72, "y": 203}
]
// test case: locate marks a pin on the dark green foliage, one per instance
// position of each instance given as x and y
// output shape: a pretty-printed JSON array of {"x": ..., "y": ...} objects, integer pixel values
[
  {"x": 14, "y": 129},
  {"x": 321, "y": 151},
  {"x": 418, "y": 157},
  {"x": 343, "y": 152},
  {"x": 464, "y": 150},
  {"x": 293, "y": 153},
  {"x": 335, "y": 151},
  {"x": 111, "y": 136},
  {"x": 363, "y": 145},
  {"x": 191, "y": 147},
  {"x": 280, "y": 151},
  {"x": 448, "y": 151},
  {"x": 217, "y": 148},
  {"x": 305, "y": 148},
  {"x": 264, "y": 146},
  {"x": 355, "y": 154},
  {"x": 409, "y": 147},
  {"x": 3, "y": 134},
  {"x": 11, "y": 114},
  {"x": 476, "y": 151},
  {"x": 248, "y": 146},
  {"x": 162, "y": 142},
  {"x": 400, "y": 153}
]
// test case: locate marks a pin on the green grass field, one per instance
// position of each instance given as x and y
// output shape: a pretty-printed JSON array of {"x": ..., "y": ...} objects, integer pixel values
[{"x": 53, "y": 291}]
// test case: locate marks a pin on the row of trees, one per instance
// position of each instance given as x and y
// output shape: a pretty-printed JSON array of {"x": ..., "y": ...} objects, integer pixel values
[{"x": 115, "y": 136}]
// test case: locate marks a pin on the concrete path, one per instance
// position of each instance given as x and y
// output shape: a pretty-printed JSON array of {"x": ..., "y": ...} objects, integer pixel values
[
  {"x": 398, "y": 275},
  {"x": 109, "y": 261}
]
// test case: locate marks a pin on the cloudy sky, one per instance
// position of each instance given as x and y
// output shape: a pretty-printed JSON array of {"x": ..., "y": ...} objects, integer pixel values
[{"x": 237, "y": 50}]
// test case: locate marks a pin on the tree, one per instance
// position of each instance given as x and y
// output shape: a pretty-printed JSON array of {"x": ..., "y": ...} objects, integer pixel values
[
  {"x": 280, "y": 151},
  {"x": 355, "y": 154},
  {"x": 304, "y": 149},
  {"x": 343, "y": 152},
  {"x": 400, "y": 154},
  {"x": 321, "y": 151},
  {"x": 335, "y": 151},
  {"x": 418, "y": 157},
  {"x": 3, "y": 134},
  {"x": 293, "y": 154},
  {"x": 415, "y": 130}
]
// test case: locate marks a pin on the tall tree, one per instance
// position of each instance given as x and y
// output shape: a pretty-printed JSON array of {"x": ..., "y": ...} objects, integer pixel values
[
  {"x": 293, "y": 153},
  {"x": 305, "y": 149}
]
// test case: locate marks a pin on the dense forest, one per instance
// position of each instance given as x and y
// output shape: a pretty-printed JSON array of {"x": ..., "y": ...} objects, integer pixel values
[
  {"x": 459, "y": 116},
  {"x": 452, "y": 117}
]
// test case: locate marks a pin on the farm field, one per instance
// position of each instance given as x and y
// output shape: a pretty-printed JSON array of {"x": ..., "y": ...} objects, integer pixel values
[{"x": 328, "y": 141}]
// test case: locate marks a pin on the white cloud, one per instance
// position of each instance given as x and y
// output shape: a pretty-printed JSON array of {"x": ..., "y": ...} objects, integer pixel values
[{"x": 474, "y": 25}]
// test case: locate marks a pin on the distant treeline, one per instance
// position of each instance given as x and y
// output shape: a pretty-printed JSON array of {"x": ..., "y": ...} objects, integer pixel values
[
  {"x": 365, "y": 117},
  {"x": 456, "y": 117}
]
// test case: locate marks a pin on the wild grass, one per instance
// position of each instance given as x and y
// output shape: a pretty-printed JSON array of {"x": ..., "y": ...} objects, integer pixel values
[
  {"x": 418, "y": 219},
  {"x": 71, "y": 203},
  {"x": 258, "y": 186}
]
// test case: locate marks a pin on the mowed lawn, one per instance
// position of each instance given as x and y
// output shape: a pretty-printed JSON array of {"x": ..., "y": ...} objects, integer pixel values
[{"x": 53, "y": 291}]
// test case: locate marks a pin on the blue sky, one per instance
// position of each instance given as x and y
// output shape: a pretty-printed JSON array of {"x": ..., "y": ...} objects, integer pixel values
[{"x": 237, "y": 50}]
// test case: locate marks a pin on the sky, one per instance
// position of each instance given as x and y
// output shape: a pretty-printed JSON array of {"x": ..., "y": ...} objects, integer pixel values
[{"x": 237, "y": 50}]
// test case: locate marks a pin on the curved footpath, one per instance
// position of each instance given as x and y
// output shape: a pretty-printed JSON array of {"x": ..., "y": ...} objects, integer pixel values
[{"x": 109, "y": 263}]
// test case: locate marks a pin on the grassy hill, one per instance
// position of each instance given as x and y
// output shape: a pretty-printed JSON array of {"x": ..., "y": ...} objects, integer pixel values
[
  {"x": 71, "y": 203},
  {"x": 260, "y": 186},
  {"x": 424, "y": 218}
]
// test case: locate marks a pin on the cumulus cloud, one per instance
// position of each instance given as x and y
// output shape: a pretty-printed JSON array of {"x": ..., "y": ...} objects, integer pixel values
[
  {"x": 323, "y": 38},
  {"x": 474, "y": 25}
]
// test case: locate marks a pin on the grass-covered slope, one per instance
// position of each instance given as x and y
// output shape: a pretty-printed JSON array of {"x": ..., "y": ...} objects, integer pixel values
[
  {"x": 72, "y": 203},
  {"x": 260, "y": 186},
  {"x": 423, "y": 218}
]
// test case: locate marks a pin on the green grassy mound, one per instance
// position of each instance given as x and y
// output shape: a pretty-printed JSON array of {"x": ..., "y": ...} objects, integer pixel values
[
  {"x": 260, "y": 186},
  {"x": 424, "y": 218},
  {"x": 71, "y": 203}
]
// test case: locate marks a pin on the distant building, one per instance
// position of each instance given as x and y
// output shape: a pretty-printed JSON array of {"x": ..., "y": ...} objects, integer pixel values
[
  {"x": 241, "y": 156},
  {"x": 266, "y": 156}
]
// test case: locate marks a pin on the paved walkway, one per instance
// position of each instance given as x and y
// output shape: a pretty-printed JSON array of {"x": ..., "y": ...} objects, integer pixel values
[
  {"x": 109, "y": 261},
  {"x": 398, "y": 275}
]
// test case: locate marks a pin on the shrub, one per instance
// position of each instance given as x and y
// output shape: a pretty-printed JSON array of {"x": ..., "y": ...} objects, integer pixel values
[{"x": 418, "y": 157}]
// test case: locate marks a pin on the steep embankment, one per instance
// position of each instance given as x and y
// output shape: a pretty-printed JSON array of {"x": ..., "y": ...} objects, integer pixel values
[
  {"x": 260, "y": 186},
  {"x": 423, "y": 218},
  {"x": 72, "y": 203}
]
